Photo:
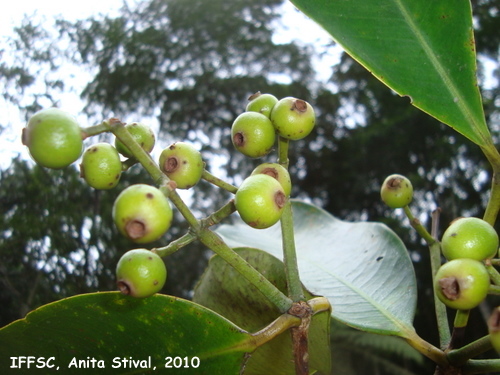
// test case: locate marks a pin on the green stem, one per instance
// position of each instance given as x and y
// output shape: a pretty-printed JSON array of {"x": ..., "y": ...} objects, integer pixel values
[
  {"x": 458, "y": 357},
  {"x": 481, "y": 366},
  {"x": 295, "y": 291},
  {"x": 494, "y": 290},
  {"x": 439, "y": 307},
  {"x": 283, "y": 145},
  {"x": 174, "y": 197},
  {"x": 461, "y": 318},
  {"x": 216, "y": 244},
  {"x": 417, "y": 225},
  {"x": 282, "y": 324},
  {"x": 220, "y": 214},
  {"x": 128, "y": 163},
  {"x": 495, "y": 262},
  {"x": 120, "y": 132},
  {"x": 491, "y": 153},
  {"x": 494, "y": 274},
  {"x": 319, "y": 304},
  {"x": 207, "y": 176},
  {"x": 96, "y": 129},
  {"x": 430, "y": 351},
  {"x": 459, "y": 326},
  {"x": 173, "y": 246}
]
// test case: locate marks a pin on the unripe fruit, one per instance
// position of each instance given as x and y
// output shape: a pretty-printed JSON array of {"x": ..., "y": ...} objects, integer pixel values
[
  {"x": 260, "y": 201},
  {"x": 396, "y": 191},
  {"x": 54, "y": 138},
  {"x": 262, "y": 103},
  {"x": 253, "y": 134},
  {"x": 101, "y": 166},
  {"x": 462, "y": 284},
  {"x": 469, "y": 237},
  {"x": 293, "y": 118},
  {"x": 278, "y": 172},
  {"x": 494, "y": 329},
  {"x": 140, "y": 273},
  {"x": 142, "y": 213},
  {"x": 143, "y": 135},
  {"x": 182, "y": 163}
]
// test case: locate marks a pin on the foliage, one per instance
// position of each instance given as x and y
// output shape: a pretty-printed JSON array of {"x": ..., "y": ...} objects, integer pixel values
[{"x": 136, "y": 74}]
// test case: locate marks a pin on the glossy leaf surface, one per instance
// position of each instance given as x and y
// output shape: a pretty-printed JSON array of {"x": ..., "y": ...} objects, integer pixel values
[
  {"x": 109, "y": 327},
  {"x": 421, "y": 49}
]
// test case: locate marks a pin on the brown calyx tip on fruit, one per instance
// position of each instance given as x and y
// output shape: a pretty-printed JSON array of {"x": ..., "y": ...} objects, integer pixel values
[
  {"x": 123, "y": 287},
  {"x": 394, "y": 183},
  {"x": 254, "y": 96},
  {"x": 280, "y": 199},
  {"x": 450, "y": 288},
  {"x": 299, "y": 105},
  {"x": 82, "y": 171},
  {"x": 270, "y": 172},
  {"x": 239, "y": 139},
  {"x": 135, "y": 229},
  {"x": 494, "y": 321},
  {"x": 25, "y": 137},
  {"x": 171, "y": 164}
]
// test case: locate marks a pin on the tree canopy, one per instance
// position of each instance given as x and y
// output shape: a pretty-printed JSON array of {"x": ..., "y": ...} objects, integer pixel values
[{"x": 188, "y": 67}]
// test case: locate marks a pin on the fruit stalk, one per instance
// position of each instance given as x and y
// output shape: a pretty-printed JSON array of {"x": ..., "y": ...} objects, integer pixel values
[
  {"x": 417, "y": 225},
  {"x": 290, "y": 256},
  {"x": 459, "y": 325},
  {"x": 220, "y": 214},
  {"x": 207, "y": 176},
  {"x": 175, "y": 245},
  {"x": 120, "y": 132},
  {"x": 283, "y": 144},
  {"x": 493, "y": 272},
  {"x": 217, "y": 245},
  {"x": 481, "y": 366},
  {"x": 458, "y": 357},
  {"x": 90, "y": 131}
]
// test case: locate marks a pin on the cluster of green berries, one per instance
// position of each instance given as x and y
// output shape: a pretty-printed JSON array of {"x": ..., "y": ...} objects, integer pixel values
[
  {"x": 253, "y": 132},
  {"x": 141, "y": 212},
  {"x": 262, "y": 196},
  {"x": 463, "y": 281}
]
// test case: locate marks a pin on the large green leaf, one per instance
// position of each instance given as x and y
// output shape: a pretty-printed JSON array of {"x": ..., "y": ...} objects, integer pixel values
[
  {"x": 421, "y": 49},
  {"x": 105, "y": 326},
  {"x": 362, "y": 268},
  {"x": 227, "y": 292}
]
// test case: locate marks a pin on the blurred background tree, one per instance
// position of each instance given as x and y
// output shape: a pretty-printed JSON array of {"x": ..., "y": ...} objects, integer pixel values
[{"x": 187, "y": 67}]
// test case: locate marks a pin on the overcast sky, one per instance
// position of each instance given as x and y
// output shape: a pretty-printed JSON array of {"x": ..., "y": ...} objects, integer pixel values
[{"x": 294, "y": 26}]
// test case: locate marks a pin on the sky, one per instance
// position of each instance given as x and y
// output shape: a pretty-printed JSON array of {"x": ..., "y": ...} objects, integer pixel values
[{"x": 295, "y": 26}]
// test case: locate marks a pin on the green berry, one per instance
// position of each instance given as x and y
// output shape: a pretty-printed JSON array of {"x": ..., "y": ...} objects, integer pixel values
[
  {"x": 140, "y": 273},
  {"x": 278, "y": 172},
  {"x": 462, "y": 284},
  {"x": 396, "y": 191},
  {"x": 142, "y": 213},
  {"x": 262, "y": 103},
  {"x": 182, "y": 163},
  {"x": 293, "y": 118},
  {"x": 54, "y": 138},
  {"x": 469, "y": 237},
  {"x": 253, "y": 134},
  {"x": 101, "y": 166},
  {"x": 260, "y": 201},
  {"x": 143, "y": 135}
]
